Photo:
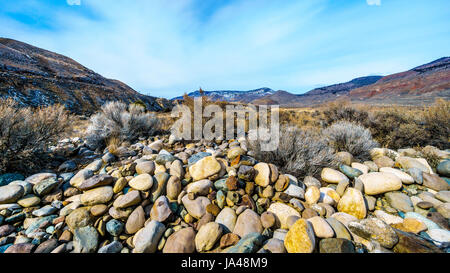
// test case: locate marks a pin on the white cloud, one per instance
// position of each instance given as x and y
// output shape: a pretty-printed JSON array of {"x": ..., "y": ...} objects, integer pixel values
[
  {"x": 74, "y": 2},
  {"x": 373, "y": 2}
]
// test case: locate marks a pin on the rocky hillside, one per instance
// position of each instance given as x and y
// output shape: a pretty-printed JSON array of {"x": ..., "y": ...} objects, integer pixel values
[
  {"x": 161, "y": 196},
  {"x": 422, "y": 84},
  {"x": 37, "y": 77}
]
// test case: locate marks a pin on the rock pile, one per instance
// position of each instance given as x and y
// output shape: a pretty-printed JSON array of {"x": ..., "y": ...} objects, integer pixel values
[{"x": 164, "y": 196}]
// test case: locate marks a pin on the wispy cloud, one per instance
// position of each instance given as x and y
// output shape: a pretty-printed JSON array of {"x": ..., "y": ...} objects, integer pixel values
[
  {"x": 165, "y": 48},
  {"x": 373, "y": 2},
  {"x": 74, "y": 2}
]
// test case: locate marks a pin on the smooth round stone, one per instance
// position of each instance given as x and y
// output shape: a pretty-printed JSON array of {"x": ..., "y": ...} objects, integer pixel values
[
  {"x": 79, "y": 217},
  {"x": 20, "y": 248},
  {"x": 430, "y": 224},
  {"x": 156, "y": 145},
  {"x": 97, "y": 196},
  {"x": 416, "y": 174},
  {"x": 44, "y": 211},
  {"x": 332, "y": 176},
  {"x": 424, "y": 205},
  {"x": 440, "y": 236},
  {"x": 80, "y": 177},
  {"x": 274, "y": 246},
  {"x": 340, "y": 230},
  {"x": 36, "y": 178},
  {"x": 173, "y": 188},
  {"x": 207, "y": 236},
  {"x": 375, "y": 229},
  {"x": 411, "y": 225},
  {"x": 443, "y": 196},
  {"x": 96, "y": 181},
  {"x": 404, "y": 177},
  {"x": 197, "y": 207},
  {"x": 227, "y": 219},
  {"x": 181, "y": 241},
  {"x": 295, "y": 191},
  {"x": 376, "y": 183},
  {"x": 161, "y": 210},
  {"x": 10, "y": 194},
  {"x": 336, "y": 245},
  {"x": 329, "y": 196},
  {"x": 132, "y": 198},
  {"x": 344, "y": 157},
  {"x": 312, "y": 195},
  {"x": 142, "y": 182},
  {"x": 99, "y": 210},
  {"x": 235, "y": 152},
  {"x": 389, "y": 219},
  {"x": 95, "y": 166},
  {"x": 114, "y": 227},
  {"x": 85, "y": 240},
  {"x": 205, "y": 168},
  {"x": 201, "y": 187},
  {"x": 250, "y": 243},
  {"x": 135, "y": 221},
  {"x": 300, "y": 238},
  {"x": 268, "y": 219},
  {"x": 352, "y": 202},
  {"x": 47, "y": 246},
  {"x": 120, "y": 214},
  {"x": 443, "y": 168},
  {"x": 159, "y": 187},
  {"x": 384, "y": 161},
  {"x": 434, "y": 182},
  {"x": 198, "y": 156},
  {"x": 282, "y": 213},
  {"x": 262, "y": 177},
  {"x": 177, "y": 169},
  {"x": 29, "y": 201},
  {"x": 321, "y": 228},
  {"x": 6, "y": 230},
  {"x": 147, "y": 167},
  {"x": 114, "y": 247},
  {"x": 408, "y": 162},
  {"x": 444, "y": 210},
  {"x": 349, "y": 171},
  {"x": 399, "y": 201},
  {"x": 27, "y": 187},
  {"x": 248, "y": 222},
  {"x": 361, "y": 167},
  {"x": 163, "y": 158},
  {"x": 311, "y": 181},
  {"x": 371, "y": 165}
]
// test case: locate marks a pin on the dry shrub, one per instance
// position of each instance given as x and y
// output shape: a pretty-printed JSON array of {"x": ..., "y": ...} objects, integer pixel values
[
  {"x": 350, "y": 137},
  {"x": 120, "y": 122},
  {"x": 26, "y": 133},
  {"x": 300, "y": 153},
  {"x": 343, "y": 110},
  {"x": 437, "y": 123}
]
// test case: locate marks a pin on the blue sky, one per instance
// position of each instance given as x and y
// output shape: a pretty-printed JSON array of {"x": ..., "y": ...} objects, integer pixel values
[{"x": 165, "y": 48}]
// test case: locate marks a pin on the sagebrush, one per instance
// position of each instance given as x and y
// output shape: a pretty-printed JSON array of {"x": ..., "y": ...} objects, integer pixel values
[
  {"x": 301, "y": 152},
  {"x": 26, "y": 133},
  {"x": 350, "y": 137},
  {"x": 120, "y": 122}
]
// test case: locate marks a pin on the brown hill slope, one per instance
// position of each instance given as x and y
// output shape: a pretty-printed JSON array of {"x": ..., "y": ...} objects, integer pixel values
[
  {"x": 37, "y": 77},
  {"x": 419, "y": 85}
]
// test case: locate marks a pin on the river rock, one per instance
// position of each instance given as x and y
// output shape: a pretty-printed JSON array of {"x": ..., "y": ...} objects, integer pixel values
[
  {"x": 227, "y": 219},
  {"x": 161, "y": 210},
  {"x": 142, "y": 182},
  {"x": 196, "y": 207},
  {"x": 248, "y": 222},
  {"x": 332, "y": 176},
  {"x": 85, "y": 240},
  {"x": 207, "y": 236},
  {"x": 205, "y": 168},
  {"x": 377, "y": 183},
  {"x": 262, "y": 174},
  {"x": 374, "y": 229},
  {"x": 146, "y": 239},
  {"x": 434, "y": 182},
  {"x": 182, "y": 241},
  {"x": 399, "y": 201},
  {"x": 300, "y": 238},
  {"x": 352, "y": 202},
  {"x": 97, "y": 196},
  {"x": 10, "y": 194},
  {"x": 282, "y": 213}
]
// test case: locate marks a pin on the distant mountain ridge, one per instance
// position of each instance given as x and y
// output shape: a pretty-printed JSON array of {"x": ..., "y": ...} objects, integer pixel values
[
  {"x": 38, "y": 77},
  {"x": 232, "y": 95}
]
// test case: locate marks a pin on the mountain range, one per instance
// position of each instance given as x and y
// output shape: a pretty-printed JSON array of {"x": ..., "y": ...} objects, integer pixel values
[
  {"x": 418, "y": 86},
  {"x": 38, "y": 77}
]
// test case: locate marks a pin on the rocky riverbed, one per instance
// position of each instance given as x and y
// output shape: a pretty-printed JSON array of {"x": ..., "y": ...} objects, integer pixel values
[{"x": 159, "y": 195}]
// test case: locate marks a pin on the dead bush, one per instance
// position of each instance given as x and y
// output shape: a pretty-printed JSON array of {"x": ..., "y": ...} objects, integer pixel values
[
  {"x": 350, "y": 137},
  {"x": 120, "y": 122},
  {"x": 301, "y": 152},
  {"x": 26, "y": 133}
]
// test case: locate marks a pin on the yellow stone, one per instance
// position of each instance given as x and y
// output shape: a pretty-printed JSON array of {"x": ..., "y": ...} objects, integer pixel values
[
  {"x": 205, "y": 168},
  {"x": 300, "y": 238},
  {"x": 352, "y": 202},
  {"x": 411, "y": 225}
]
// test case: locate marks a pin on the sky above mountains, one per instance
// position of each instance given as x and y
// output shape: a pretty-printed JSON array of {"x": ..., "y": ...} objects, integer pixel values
[{"x": 165, "y": 48}]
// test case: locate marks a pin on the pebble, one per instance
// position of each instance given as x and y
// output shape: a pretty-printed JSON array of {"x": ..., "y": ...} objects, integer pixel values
[
  {"x": 248, "y": 222},
  {"x": 142, "y": 182},
  {"x": 181, "y": 241},
  {"x": 207, "y": 236},
  {"x": 352, "y": 203},
  {"x": 146, "y": 239},
  {"x": 300, "y": 238},
  {"x": 377, "y": 183},
  {"x": 282, "y": 212},
  {"x": 332, "y": 176},
  {"x": 227, "y": 219}
]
